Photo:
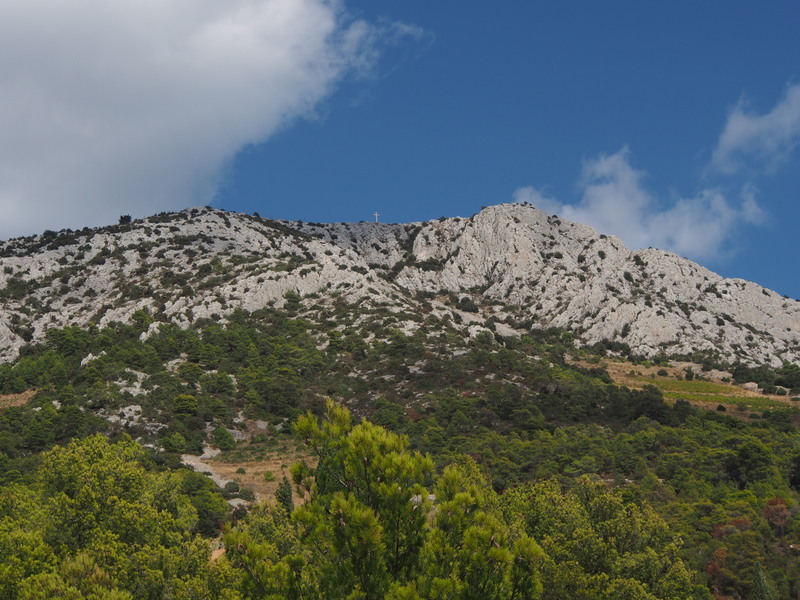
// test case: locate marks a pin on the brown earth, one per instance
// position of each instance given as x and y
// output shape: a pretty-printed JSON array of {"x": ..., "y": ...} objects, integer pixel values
[
  {"x": 9, "y": 400},
  {"x": 262, "y": 474}
]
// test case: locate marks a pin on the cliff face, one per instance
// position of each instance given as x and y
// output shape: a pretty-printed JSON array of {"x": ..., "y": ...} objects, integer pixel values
[
  {"x": 566, "y": 275},
  {"x": 512, "y": 265}
]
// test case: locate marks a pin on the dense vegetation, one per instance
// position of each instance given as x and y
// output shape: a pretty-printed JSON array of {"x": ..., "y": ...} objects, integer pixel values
[{"x": 489, "y": 467}]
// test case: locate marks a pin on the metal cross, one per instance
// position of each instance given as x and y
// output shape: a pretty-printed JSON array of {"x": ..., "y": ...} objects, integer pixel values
[{"x": 376, "y": 215}]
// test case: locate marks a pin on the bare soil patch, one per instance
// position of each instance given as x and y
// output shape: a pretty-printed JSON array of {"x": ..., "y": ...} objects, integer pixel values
[
  {"x": 9, "y": 400},
  {"x": 262, "y": 475}
]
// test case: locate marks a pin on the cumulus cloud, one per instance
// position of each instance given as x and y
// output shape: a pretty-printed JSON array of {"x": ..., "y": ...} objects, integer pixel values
[
  {"x": 759, "y": 141},
  {"x": 136, "y": 106},
  {"x": 615, "y": 201}
]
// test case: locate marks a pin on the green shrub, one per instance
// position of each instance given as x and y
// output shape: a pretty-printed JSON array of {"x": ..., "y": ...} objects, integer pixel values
[{"x": 223, "y": 439}]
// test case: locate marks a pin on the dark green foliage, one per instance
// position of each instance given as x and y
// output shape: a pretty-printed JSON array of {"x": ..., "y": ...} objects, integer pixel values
[
  {"x": 762, "y": 590},
  {"x": 255, "y": 363},
  {"x": 431, "y": 264},
  {"x": 788, "y": 376},
  {"x": 762, "y": 375},
  {"x": 516, "y": 406},
  {"x": 16, "y": 288},
  {"x": 284, "y": 495},
  {"x": 466, "y": 304},
  {"x": 223, "y": 439}
]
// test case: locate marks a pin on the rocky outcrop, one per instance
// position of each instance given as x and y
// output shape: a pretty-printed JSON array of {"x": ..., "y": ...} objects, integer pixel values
[
  {"x": 180, "y": 267},
  {"x": 562, "y": 274},
  {"x": 510, "y": 266}
]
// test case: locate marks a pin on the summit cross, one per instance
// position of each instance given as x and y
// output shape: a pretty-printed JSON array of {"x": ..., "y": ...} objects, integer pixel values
[{"x": 376, "y": 215}]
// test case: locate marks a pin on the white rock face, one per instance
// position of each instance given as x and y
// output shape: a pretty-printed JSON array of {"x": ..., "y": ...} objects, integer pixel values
[
  {"x": 565, "y": 275},
  {"x": 516, "y": 265}
]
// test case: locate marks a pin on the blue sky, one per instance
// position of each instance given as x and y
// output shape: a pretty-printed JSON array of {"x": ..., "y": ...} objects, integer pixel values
[
  {"x": 525, "y": 95},
  {"x": 670, "y": 124}
]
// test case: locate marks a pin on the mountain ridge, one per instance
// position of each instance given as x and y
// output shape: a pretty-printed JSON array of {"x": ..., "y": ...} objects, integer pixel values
[
  {"x": 508, "y": 268},
  {"x": 512, "y": 250}
]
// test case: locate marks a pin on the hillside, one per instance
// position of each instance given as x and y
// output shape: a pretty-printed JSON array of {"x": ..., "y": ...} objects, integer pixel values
[
  {"x": 510, "y": 267},
  {"x": 514, "y": 420},
  {"x": 541, "y": 271}
]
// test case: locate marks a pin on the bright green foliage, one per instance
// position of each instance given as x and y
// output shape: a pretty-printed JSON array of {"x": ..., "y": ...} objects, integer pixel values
[
  {"x": 470, "y": 552},
  {"x": 88, "y": 486},
  {"x": 727, "y": 484},
  {"x": 598, "y": 545},
  {"x": 97, "y": 524},
  {"x": 368, "y": 532},
  {"x": 175, "y": 443},
  {"x": 372, "y": 467},
  {"x": 23, "y": 550},
  {"x": 185, "y": 404},
  {"x": 266, "y": 549},
  {"x": 79, "y": 577}
]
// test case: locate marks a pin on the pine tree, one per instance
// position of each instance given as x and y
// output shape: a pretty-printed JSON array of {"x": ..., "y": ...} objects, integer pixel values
[
  {"x": 284, "y": 495},
  {"x": 762, "y": 590}
]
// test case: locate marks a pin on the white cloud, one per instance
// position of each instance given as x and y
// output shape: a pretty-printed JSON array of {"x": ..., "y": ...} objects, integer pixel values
[
  {"x": 614, "y": 201},
  {"x": 763, "y": 141},
  {"x": 135, "y": 106}
]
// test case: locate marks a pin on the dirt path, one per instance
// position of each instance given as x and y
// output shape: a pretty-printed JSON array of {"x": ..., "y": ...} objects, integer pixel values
[{"x": 200, "y": 464}]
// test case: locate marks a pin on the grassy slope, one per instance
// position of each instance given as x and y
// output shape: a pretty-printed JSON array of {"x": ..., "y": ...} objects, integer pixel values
[{"x": 706, "y": 390}]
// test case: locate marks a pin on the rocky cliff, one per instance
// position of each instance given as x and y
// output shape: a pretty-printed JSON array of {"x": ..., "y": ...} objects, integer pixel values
[
  {"x": 562, "y": 274},
  {"x": 510, "y": 268}
]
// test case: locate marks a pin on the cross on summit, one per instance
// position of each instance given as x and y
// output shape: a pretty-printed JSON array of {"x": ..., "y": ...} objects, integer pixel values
[{"x": 376, "y": 214}]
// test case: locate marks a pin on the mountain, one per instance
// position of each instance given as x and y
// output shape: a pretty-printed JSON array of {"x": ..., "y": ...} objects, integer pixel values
[
  {"x": 427, "y": 374},
  {"x": 509, "y": 268}
]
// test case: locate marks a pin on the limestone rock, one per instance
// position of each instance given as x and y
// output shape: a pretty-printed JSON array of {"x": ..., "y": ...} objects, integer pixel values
[{"x": 510, "y": 267}]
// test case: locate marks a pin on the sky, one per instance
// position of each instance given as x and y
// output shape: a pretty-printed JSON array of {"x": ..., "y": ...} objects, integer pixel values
[{"x": 672, "y": 125}]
